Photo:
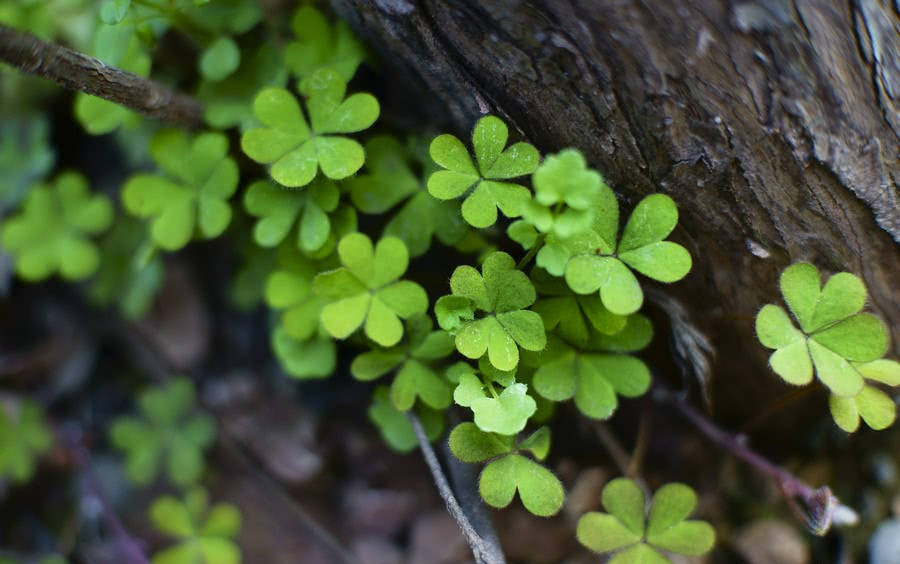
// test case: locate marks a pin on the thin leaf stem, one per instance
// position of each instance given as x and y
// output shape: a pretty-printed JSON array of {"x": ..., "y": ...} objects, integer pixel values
[
  {"x": 538, "y": 243},
  {"x": 480, "y": 549},
  {"x": 822, "y": 507}
]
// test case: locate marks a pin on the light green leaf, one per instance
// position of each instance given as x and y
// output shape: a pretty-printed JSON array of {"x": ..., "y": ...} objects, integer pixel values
[
  {"x": 652, "y": 220},
  {"x": 774, "y": 328},
  {"x": 470, "y": 444},
  {"x": 625, "y": 500},
  {"x": 506, "y": 414},
  {"x": 220, "y": 59},
  {"x": 882, "y": 370},
  {"x": 418, "y": 380},
  {"x": 800, "y": 288},
  {"x": 664, "y": 261},
  {"x": 792, "y": 363},
  {"x": 843, "y": 295},
  {"x": 862, "y": 337},
  {"x": 602, "y": 532},
  {"x": 834, "y": 371}
]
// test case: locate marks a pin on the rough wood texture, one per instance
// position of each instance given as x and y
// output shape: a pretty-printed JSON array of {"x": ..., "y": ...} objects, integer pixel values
[
  {"x": 80, "y": 72},
  {"x": 773, "y": 123}
]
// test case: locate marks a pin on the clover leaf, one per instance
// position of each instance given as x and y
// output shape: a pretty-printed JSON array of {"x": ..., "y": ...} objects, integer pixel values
[
  {"x": 192, "y": 195},
  {"x": 394, "y": 425},
  {"x": 206, "y": 535},
  {"x": 412, "y": 361},
  {"x": 482, "y": 180},
  {"x": 229, "y": 102},
  {"x": 220, "y": 59},
  {"x": 389, "y": 179},
  {"x": 366, "y": 290},
  {"x": 641, "y": 247},
  {"x": 51, "y": 233},
  {"x": 166, "y": 432},
  {"x": 565, "y": 195},
  {"x": 296, "y": 150},
  {"x": 505, "y": 413},
  {"x": 321, "y": 45},
  {"x": 509, "y": 471},
  {"x": 572, "y": 316},
  {"x": 595, "y": 374},
  {"x": 833, "y": 336},
  {"x": 124, "y": 278},
  {"x": 636, "y": 537},
  {"x": 23, "y": 436},
  {"x": 280, "y": 209},
  {"x": 502, "y": 293}
]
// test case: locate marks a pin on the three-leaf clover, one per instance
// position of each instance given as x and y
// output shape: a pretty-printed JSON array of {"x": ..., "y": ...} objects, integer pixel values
[
  {"x": 321, "y": 45},
  {"x": 51, "y": 232},
  {"x": 483, "y": 181},
  {"x": 166, "y": 432},
  {"x": 641, "y": 248},
  {"x": 502, "y": 293},
  {"x": 296, "y": 150},
  {"x": 638, "y": 536},
  {"x": 199, "y": 179},
  {"x": 508, "y": 470},
  {"x": 565, "y": 195},
  {"x": 205, "y": 534},
  {"x": 23, "y": 436},
  {"x": 366, "y": 290},
  {"x": 395, "y": 426},
  {"x": 389, "y": 179},
  {"x": 833, "y": 336},
  {"x": 597, "y": 372},
  {"x": 415, "y": 376},
  {"x": 279, "y": 209}
]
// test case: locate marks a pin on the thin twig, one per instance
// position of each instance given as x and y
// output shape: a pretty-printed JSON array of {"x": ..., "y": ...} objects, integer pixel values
[
  {"x": 483, "y": 554},
  {"x": 130, "y": 550},
  {"x": 822, "y": 508},
  {"x": 640, "y": 443},
  {"x": 77, "y": 71}
]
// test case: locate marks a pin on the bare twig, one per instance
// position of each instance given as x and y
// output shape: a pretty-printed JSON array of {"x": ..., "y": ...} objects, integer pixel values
[
  {"x": 129, "y": 549},
  {"x": 77, "y": 71},
  {"x": 484, "y": 554},
  {"x": 821, "y": 510}
]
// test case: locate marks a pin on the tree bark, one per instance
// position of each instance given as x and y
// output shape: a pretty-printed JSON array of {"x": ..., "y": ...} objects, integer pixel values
[
  {"x": 79, "y": 72},
  {"x": 773, "y": 123}
]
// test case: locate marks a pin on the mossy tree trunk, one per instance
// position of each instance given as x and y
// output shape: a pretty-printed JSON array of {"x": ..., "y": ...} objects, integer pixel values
[{"x": 775, "y": 125}]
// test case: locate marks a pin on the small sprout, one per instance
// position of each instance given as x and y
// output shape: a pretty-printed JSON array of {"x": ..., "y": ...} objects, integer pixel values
[
  {"x": 836, "y": 342},
  {"x": 199, "y": 179},
  {"x": 483, "y": 181},
  {"x": 280, "y": 209},
  {"x": 394, "y": 425},
  {"x": 565, "y": 195},
  {"x": 508, "y": 470},
  {"x": 296, "y": 150},
  {"x": 320, "y": 45},
  {"x": 366, "y": 290},
  {"x": 220, "y": 59},
  {"x": 636, "y": 537},
  {"x": 596, "y": 373},
  {"x": 412, "y": 361},
  {"x": 165, "y": 433},
  {"x": 51, "y": 233},
  {"x": 502, "y": 293},
  {"x": 641, "y": 247},
  {"x": 205, "y": 535},
  {"x": 23, "y": 437}
]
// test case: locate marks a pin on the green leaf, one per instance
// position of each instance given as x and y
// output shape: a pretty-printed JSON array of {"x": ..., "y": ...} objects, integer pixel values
[
  {"x": 882, "y": 370},
  {"x": 619, "y": 290},
  {"x": 652, "y": 220},
  {"x": 51, "y": 232},
  {"x": 843, "y": 295},
  {"x": 625, "y": 500},
  {"x": 664, "y": 261},
  {"x": 800, "y": 288},
  {"x": 395, "y": 426},
  {"x": 470, "y": 444},
  {"x": 875, "y": 407},
  {"x": 538, "y": 443},
  {"x": 24, "y": 436},
  {"x": 506, "y": 414},
  {"x": 792, "y": 363},
  {"x": 541, "y": 492},
  {"x": 862, "y": 337},
  {"x": 418, "y": 380},
  {"x": 220, "y": 59},
  {"x": 304, "y": 360},
  {"x": 834, "y": 371},
  {"x": 321, "y": 45},
  {"x": 114, "y": 11},
  {"x": 375, "y": 364},
  {"x": 774, "y": 328},
  {"x": 602, "y": 532},
  {"x": 205, "y": 535}
]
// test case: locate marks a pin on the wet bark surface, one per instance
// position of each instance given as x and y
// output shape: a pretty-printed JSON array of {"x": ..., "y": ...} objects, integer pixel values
[{"x": 775, "y": 125}]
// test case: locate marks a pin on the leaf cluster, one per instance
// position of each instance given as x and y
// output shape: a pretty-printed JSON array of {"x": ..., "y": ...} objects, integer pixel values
[
  {"x": 168, "y": 433},
  {"x": 842, "y": 346},
  {"x": 204, "y": 535}
]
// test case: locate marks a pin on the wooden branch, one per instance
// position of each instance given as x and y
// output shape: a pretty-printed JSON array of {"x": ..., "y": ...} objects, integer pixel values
[{"x": 77, "y": 71}]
